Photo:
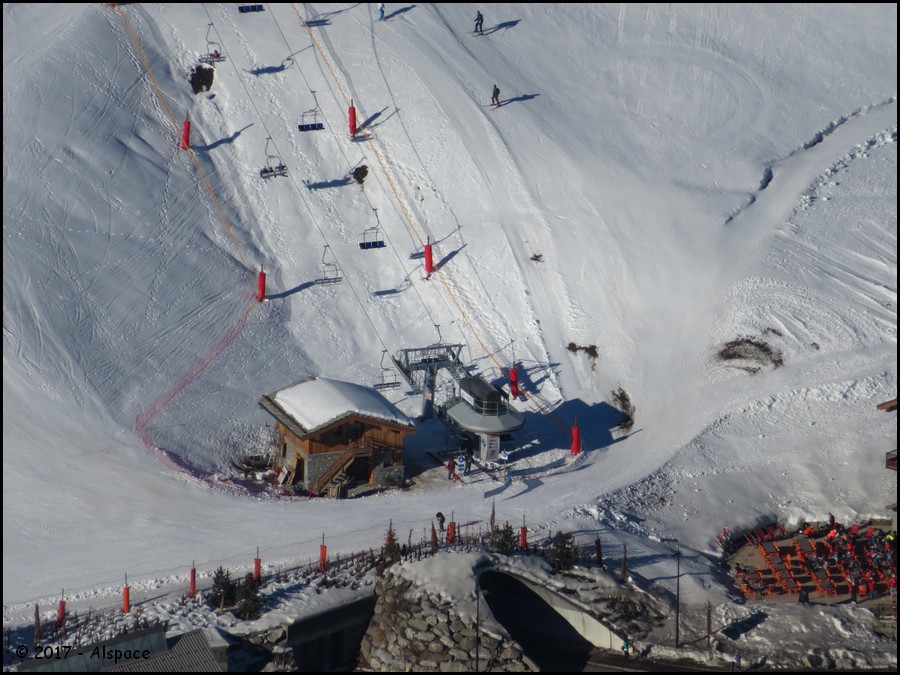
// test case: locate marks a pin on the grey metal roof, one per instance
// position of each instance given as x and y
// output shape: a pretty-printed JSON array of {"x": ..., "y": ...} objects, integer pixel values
[
  {"x": 463, "y": 414},
  {"x": 187, "y": 653}
]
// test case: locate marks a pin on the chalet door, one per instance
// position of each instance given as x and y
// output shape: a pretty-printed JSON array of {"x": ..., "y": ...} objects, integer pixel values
[{"x": 300, "y": 471}]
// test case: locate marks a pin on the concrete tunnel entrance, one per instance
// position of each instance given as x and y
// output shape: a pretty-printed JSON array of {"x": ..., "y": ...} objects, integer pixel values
[{"x": 543, "y": 633}]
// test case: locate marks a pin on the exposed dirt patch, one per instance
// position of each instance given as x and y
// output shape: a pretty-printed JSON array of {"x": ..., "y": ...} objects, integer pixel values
[
  {"x": 202, "y": 78},
  {"x": 622, "y": 401},
  {"x": 751, "y": 349},
  {"x": 591, "y": 351}
]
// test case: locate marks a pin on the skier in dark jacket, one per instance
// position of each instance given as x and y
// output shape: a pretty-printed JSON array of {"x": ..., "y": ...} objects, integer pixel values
[
  {"x": 495, "y": 96},
  {"x": 479, "y": 22},
  {"x": 440, "y": 519}
]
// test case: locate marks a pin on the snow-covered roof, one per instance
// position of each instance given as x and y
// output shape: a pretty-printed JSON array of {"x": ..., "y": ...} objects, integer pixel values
[{"x": 316, "y": 402}]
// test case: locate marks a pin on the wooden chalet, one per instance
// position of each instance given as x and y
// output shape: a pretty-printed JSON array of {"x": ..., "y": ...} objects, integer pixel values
[{"x": 334, "y": 435}]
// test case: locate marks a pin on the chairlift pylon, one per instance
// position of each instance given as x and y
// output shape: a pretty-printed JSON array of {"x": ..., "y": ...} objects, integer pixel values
[
  {"x": 372, "y": 237},
  {"x": 331, "y": 273},
  {"x": 309, "y": 120},
  {"x": 274, "y": 165},
  {"x": 213, "y": 50},
  {"x": 389, "y": 377}
]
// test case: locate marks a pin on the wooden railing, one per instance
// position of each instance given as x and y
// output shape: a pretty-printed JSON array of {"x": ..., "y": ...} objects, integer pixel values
[{"x": 343, "y": 460}]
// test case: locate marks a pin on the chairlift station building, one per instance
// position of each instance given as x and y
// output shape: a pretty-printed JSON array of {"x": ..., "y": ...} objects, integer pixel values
[
  {"x": 331, "y": 434},
  {"x": 475, "y": 405},
  {"x": 481, "y": 409}
]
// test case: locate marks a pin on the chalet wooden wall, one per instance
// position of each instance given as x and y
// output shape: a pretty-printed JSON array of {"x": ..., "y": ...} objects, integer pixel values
[{"x": 339, "y": 436}]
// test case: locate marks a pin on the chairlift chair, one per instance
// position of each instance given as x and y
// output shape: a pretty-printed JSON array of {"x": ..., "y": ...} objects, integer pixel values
[
  {"x": 331, "y": 273},
  {"x": 272, "y": 169},
  {"x": 389, "y": 377},
  {"x": 213, "y": 50},
  {"x": 274, "y": 165},
  {"x": 309, "y": 121},
  {"x": 214, "y": 55},
  {"x": 372, "y": 238}
]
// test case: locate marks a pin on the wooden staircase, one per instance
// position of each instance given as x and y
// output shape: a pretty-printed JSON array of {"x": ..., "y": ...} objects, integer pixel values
[{"x": 339, "y": 465}]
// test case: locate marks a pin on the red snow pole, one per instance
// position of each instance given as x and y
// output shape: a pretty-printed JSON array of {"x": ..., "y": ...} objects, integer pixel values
[
  {"x": 261, "y": 285},
  {"x": 576, "y": 438},
  {"x": 126, "y": 597},
  {"x": 523, "y": 537},
  {"x": 451, "y": 532},
  {"x": 514, "y": 382},
  {"x": 429, "y": 259},
  {"x": 323, "y": 556},
  {"x": 186, "y": 135},
  {"x": 257, "y": 566},
  {"x": 352, "y": 118},
  {"x": 192, "y": 592},
  {"x": 61, "y": 613}
]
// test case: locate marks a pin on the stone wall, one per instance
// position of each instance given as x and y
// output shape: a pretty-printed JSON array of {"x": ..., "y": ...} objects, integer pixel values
[
  {"x": 389, "y": 476},
  {"x": 409, "y": 632}
]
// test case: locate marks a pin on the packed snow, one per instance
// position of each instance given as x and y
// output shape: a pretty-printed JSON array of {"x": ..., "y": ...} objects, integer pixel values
[{"x": 704, "y": 196}]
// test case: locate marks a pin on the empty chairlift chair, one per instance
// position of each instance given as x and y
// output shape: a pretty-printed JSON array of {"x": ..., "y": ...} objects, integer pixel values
[
  {"x": 331, "y": 273},
  {"x": 389, "y": 377},
  {"x": 372, "y": 238},
  {"x": 309, "y": 121}
]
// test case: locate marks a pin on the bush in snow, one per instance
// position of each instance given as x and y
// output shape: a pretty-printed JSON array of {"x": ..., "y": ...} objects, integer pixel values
[
  {"x": 562, "y": 553},
  {"x": 248, "y": 605},
  {"x": 503, "y": 539},
  {"x": 223, "y": 589}
]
